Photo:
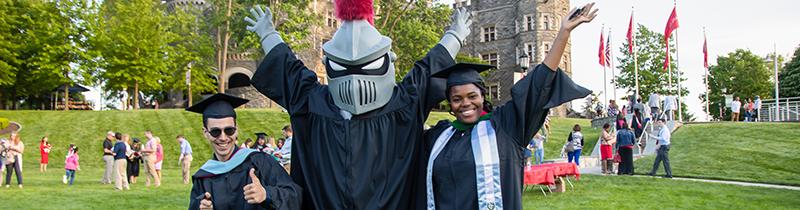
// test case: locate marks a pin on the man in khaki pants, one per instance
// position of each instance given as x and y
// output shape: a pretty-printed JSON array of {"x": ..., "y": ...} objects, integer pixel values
[
  {"x": 120, "y": 164},
  {"x": 186, "y": 157},
  {"x": 149, "y": 156}
]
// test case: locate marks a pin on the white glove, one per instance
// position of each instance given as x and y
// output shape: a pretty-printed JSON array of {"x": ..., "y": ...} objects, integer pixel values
[
  {"x": 264, "y": 27},
  {"x": 455, "y": 36}
]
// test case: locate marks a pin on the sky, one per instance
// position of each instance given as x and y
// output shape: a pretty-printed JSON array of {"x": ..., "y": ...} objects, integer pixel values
[{"x": 730, "y": 25}]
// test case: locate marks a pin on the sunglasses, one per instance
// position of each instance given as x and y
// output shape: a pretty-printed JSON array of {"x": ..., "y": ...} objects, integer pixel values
[{"x": 216, "y": 132}]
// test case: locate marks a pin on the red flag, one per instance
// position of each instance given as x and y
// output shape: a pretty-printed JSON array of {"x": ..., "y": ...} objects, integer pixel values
[
  {"x": 600, "y": 53},
  {"x": 672, "y": 24},
  {"x": 705, "y": 52},
  {"x": 630, "y": 35},
  {"x": 608, "y": 55}
]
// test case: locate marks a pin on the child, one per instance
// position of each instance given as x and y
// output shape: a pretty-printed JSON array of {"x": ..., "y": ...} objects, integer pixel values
[
  {"x": 71, "y": 165},
  {"x": 44, "y": 151}
]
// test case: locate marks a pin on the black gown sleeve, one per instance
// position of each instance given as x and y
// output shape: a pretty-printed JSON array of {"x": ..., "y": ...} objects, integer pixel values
[
  {"x": 430, "y": 90},
  {"x": 531, "y": 98},
  {"x": 197, "y": 191},
  {"x": 285, "y": 79},
  {"x": 282, "y": 192}
]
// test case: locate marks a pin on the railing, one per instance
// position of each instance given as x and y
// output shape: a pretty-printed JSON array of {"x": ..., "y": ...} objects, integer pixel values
[{"x": 787, "y": 109}]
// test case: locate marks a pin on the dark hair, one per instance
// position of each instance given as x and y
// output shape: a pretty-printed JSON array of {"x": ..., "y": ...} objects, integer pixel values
[
  {"x": 605, "y": 126},
  {"x": 179, "y": 136},
  {"x": 661, "y": 120},
  {"x": 205, "y": 120},
  {"x": 75, "y": 149},
  {"x": 576, "y": 127},
  {"x": 136, "y": 140},
  {"x": 43, "y": 137},
  {"x": 487, "y": 105},
  {"x": 624, "y": 124},
  {"x": 287, "y": 128},
  {"x": 118, "y": 136}
]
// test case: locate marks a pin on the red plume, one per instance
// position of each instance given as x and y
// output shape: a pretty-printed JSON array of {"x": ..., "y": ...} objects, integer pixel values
[{"x": 355, "y": 10}]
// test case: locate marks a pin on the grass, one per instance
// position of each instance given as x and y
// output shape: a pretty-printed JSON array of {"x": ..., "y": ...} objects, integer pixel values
[
  {"x": 624, "y": 192},
  {"x": 87, "y": 128},
  {"x": 752, "y": 152}
]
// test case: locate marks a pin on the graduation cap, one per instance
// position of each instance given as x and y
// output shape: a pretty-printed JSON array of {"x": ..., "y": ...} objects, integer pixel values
[
  {"x": 463, "y": 73},
  {"x": 219, "y": 105},
  {"x": 261, "y": 135}
]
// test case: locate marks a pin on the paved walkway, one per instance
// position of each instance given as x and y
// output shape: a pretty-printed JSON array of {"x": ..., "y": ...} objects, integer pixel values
[{"x": 598, "y": 171}]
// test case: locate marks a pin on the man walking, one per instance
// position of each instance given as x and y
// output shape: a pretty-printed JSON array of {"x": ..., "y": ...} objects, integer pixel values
[
  {"x": 120, "y": 164},
  {"x": 653, "y": 101},
  {"x": 108, "y": 158},
  {"x": 662, "y": 143},
  {"x": 186, "y": 157},
  {"x": 149, "y": 156}
]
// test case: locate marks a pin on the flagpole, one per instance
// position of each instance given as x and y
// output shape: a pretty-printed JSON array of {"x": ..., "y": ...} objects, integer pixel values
[
  {"x": 705, "y": 42},
  {"x": 635, "y": 56},
  {"x": 611, "y": 60},
  {"x": 605, "y": 79}
]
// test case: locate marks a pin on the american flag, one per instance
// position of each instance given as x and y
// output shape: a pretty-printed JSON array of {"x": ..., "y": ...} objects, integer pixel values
[{"x": 608, "y": 56}]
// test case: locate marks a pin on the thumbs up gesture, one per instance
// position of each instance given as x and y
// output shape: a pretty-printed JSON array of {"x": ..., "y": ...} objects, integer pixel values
[
  {"x": 254, "y": 193},
  {"x": 206, "y": 204}
]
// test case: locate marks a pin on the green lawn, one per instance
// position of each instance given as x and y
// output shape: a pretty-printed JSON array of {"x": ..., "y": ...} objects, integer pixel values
[
  {"x": 623, "y": 192},
  {"x": 754, "y": 152}
]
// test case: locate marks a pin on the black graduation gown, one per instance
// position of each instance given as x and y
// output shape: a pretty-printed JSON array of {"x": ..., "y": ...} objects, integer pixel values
[
  {"x": 227, "y": 189},
  {"x": 363, "y": 163},
  {"x": 515, "y": 123}
]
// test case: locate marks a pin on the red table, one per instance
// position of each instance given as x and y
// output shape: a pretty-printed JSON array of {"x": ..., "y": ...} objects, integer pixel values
[{"x": 545, "y": 174}]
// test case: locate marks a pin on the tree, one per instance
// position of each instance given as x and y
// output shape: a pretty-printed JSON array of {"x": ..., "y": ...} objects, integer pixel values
[
  {"x": 190, "y": 49},
  {"x": 790, "y": 77},
  {"x": 652, "y": 75},
  {"x": 740, "y": 73}
]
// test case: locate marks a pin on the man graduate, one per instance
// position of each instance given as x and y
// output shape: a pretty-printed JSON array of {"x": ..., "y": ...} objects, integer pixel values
[
  {"x": 237, "y": 178},
  {"x": 355, "y": 143}
]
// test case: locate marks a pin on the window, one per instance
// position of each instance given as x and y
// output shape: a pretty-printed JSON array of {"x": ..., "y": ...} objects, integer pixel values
[
  {"x": 488, "y": 34},
  {"x": 529, "y": 50},
  {"x": 546, "y": 22},
  {"x": 494, "y": 92},
  {"x": 528, "y": 22},
  {"x": 332, "y": 22},
  {"x": 544, "y": 49},
  {"x": 491, "y": 58}
]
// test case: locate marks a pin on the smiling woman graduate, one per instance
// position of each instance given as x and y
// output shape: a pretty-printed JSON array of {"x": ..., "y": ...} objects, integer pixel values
[
  {"x": 476, "y": 162},
  {"x": 237, "y": 178}
]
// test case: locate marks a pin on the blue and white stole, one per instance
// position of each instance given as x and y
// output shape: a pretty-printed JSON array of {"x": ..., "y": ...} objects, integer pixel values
[
  {"x": 218, "y": 167},
  {"x": 487, "y": 165}
]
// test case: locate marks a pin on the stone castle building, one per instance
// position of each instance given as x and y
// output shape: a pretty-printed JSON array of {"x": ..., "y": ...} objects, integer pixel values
[{"x": 504, "y": 30}]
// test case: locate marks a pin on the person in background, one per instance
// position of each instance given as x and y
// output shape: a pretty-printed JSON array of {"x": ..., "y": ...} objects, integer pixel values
[
  {"x": 149, "y": 157},
  {"x": 642, "y": 108},
  {"x": 669, "y": 107},
  {"x": 607, "y": 141},
  {"x": 575, "y": 141},
  {"x": 756, "y": 107},
  {"x": 613, "y": 109},
  {"x": 185, "y": 159},
  {"x": 3, "y": 153},
  {"x": 134, "y": 160},
  {"x": 159, "y": 157},
  {"x": 70, "y": 150},
  {"x": 71, "y": 165},
  {"x": 736, "y": 107},
  {"x": 13, "y": 159},
  {"x": 527, "y": 152},
  {"x": 638, "y": 128},
  {"x": 108, "y": 158},
  {"x": 750, "y": 107},
  {"x": 285, "y": 154},
  {"x": 662, "y": 142},
  {"x": 625, "y": 141},
  {"x": 538, "y": 148},
  {"x": 262, "y": 144},
  {"x": 247, "y": 143},
  {"x": 599, "y": 110},
  {"x": 44, "y": 151},
  {"x": 120, "y": 152},
  {"x": 653, "y": 102},
  {"x": 279, "y": 145}
]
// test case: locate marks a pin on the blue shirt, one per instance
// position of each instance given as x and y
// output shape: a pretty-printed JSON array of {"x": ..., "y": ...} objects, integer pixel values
[
  {"x": 663, "y": 136},
  {"x": 186, "y": 148},
  {"x": 625, "y": 138},
  {"x": 286, "y": 151},
  {"x": 120, "y": 149}
]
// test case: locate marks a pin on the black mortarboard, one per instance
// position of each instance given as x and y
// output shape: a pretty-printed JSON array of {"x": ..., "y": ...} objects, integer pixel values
[
  {"x": 261, "y": 135},
  {"x": 463, "y": 73},
  {"x": 219, "y": 105}
]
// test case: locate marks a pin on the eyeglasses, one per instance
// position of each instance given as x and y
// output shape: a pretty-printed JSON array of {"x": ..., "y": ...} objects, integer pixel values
[{"x": 216, "y": 132}]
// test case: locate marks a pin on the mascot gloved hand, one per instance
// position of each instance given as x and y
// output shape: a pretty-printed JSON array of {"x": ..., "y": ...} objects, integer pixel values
[
  {"x": 263, "y": 26},
  {"x": 458, "y": 32}
]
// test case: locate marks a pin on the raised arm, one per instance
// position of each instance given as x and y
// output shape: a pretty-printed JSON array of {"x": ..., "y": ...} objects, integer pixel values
[
  {"x": 544, "y": 87},
  {"x": 280, "y": 76}
]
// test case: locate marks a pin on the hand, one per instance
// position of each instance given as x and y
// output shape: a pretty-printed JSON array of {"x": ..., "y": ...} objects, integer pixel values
[
  {"x": 254, "y": 193},
  {"x": 586, "y": 15},
  {"x": 206, "y": 204},
  {"x": 262, "y": 24},
  {"x": 460, "y": 27}
]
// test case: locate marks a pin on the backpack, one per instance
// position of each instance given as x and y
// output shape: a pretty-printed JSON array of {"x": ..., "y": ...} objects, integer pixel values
[{"x": 571, "y": 146}]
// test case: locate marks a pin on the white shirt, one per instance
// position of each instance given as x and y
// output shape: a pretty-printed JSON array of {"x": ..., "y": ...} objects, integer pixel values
[
  {"x": 736, "y": 106},
  {"x": 758, "y": 103},
  {"x": 286, "y": 151},
  {"x": 664, "y": 136},
  {"x": 653, "y": 101}
]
